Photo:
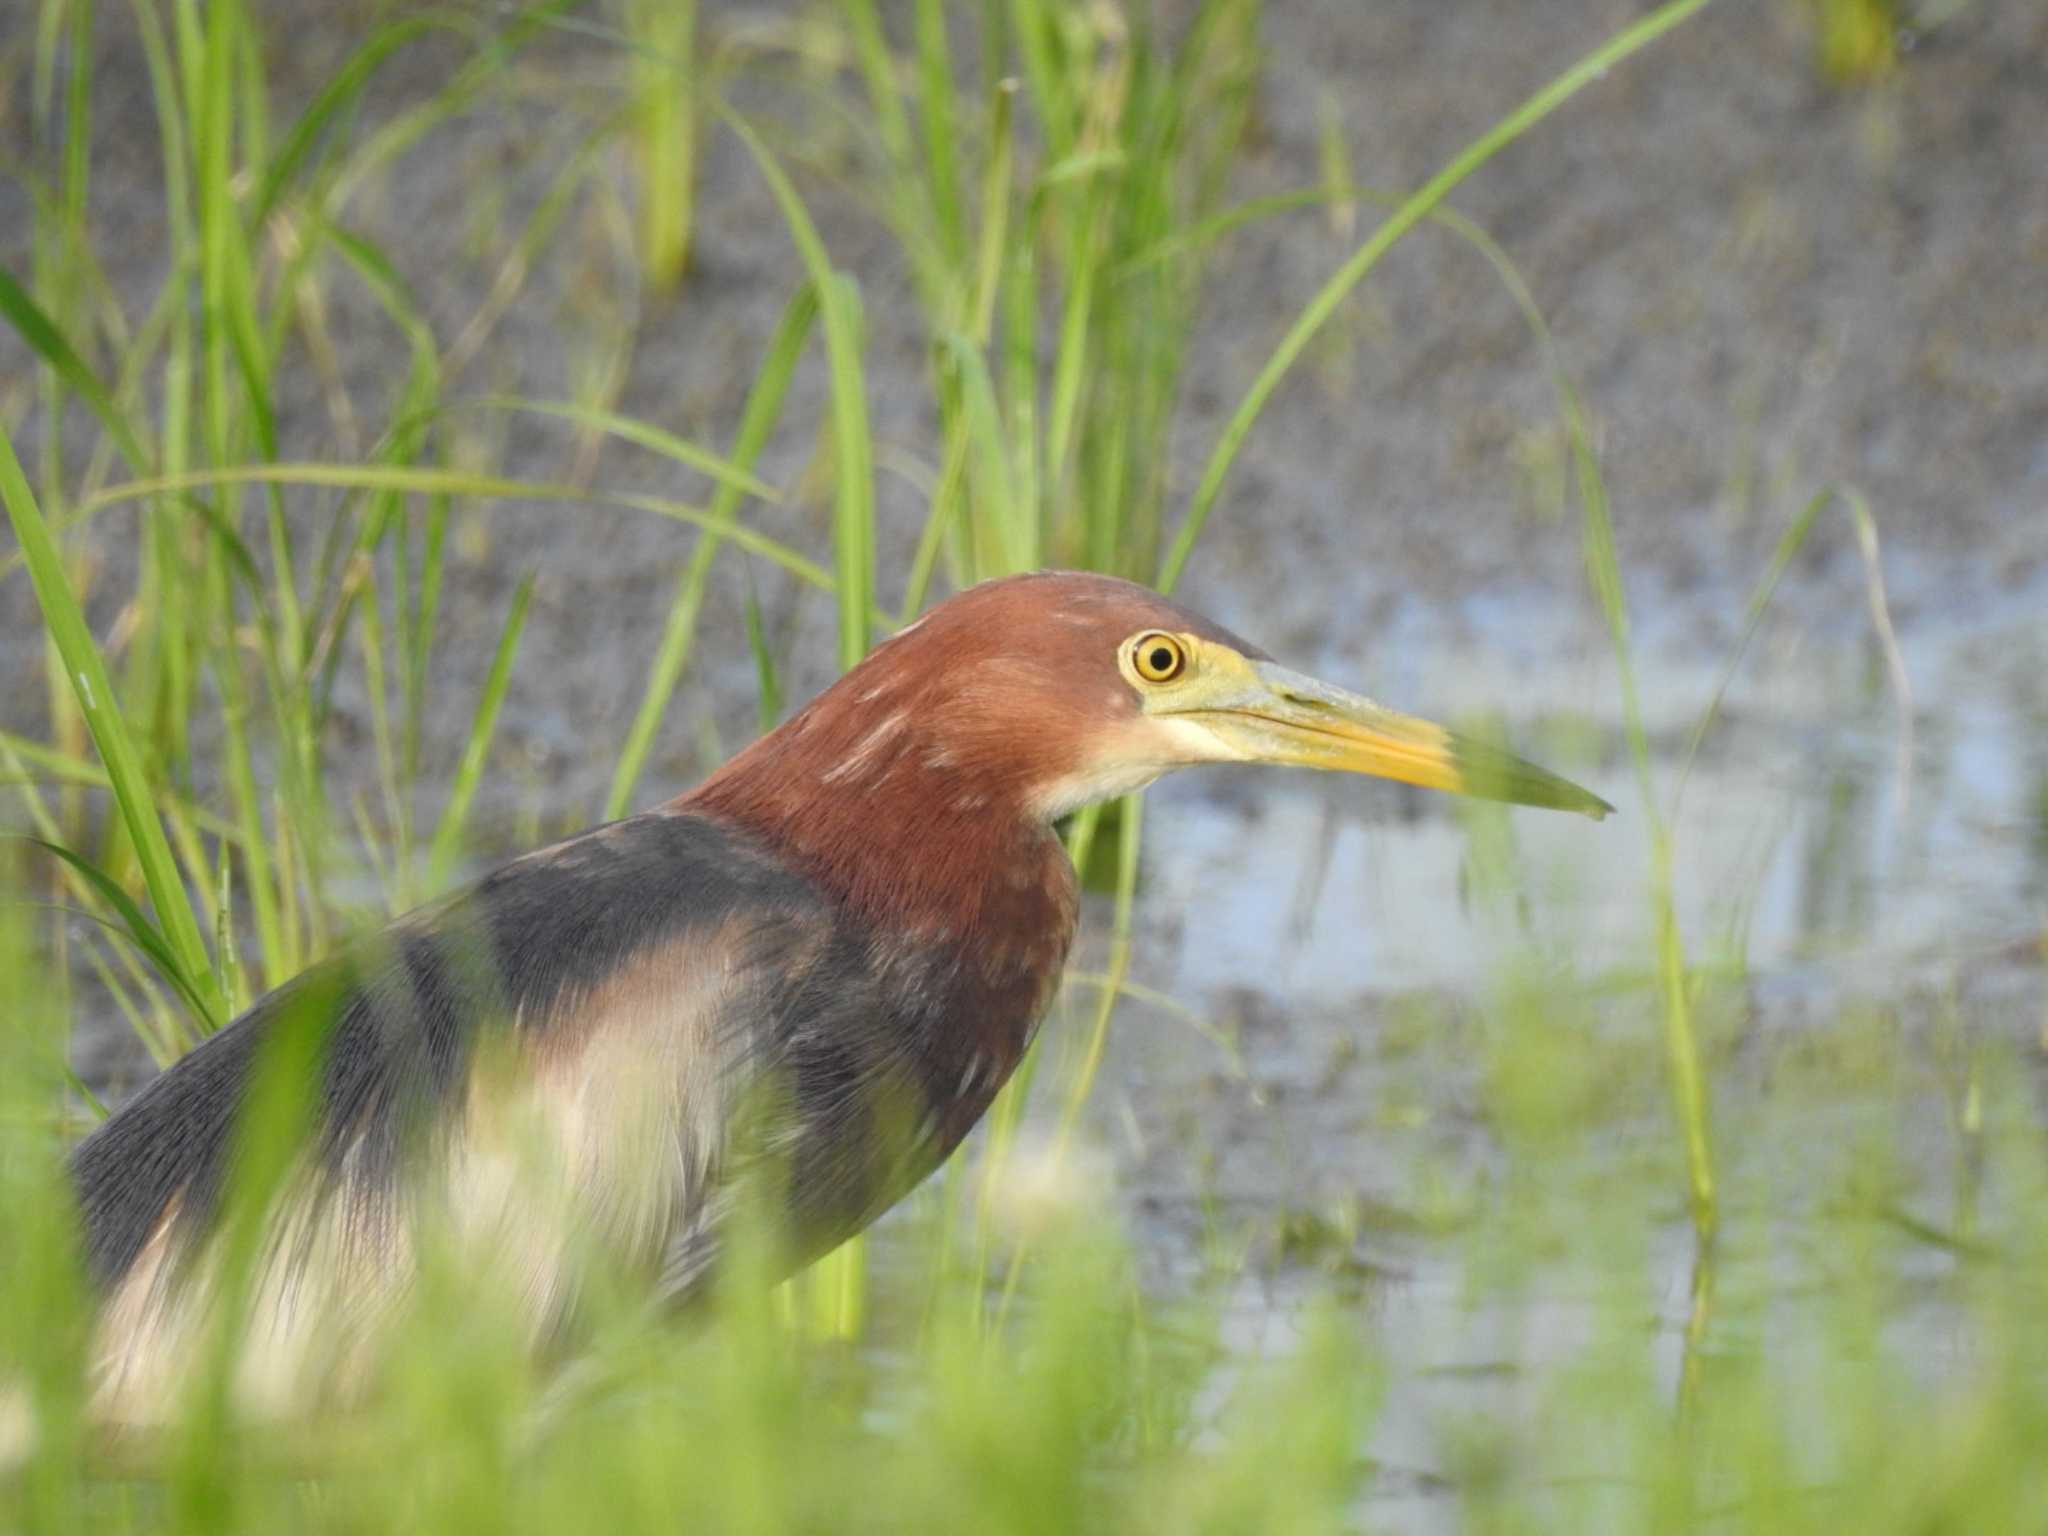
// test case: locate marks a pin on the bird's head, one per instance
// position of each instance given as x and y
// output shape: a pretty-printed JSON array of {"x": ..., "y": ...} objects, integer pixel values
[{"x": 1040, "y": 694}]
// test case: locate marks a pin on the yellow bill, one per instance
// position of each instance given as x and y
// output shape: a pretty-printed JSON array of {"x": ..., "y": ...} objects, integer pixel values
[{"x": 1261, "y": 712}]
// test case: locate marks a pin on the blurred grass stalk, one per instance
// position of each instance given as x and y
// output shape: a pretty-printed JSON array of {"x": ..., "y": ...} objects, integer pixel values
[
  {"x": 1855, "y": 41},
  {"x": 668, "y": 104}
]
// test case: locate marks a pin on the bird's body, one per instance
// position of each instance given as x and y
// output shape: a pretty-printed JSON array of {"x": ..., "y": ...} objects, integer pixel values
[
  {"x": 643, "y": 978},
  {"x": 818, "y": 967}
]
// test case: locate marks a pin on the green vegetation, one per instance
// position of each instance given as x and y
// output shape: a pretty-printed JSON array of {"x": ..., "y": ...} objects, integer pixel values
[
  {"x": 1055, "y": 176},
  {"x": 1855, "y": 40}
]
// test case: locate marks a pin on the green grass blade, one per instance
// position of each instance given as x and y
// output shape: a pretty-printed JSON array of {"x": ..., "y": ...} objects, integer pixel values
[
  {"x": 133, "y": 923},
  {"x": 1206, "y": 232},
  {"x": 871, "y": 48},
  {"x": 854, "y": 503},
  {"x": 767, "y": 682},
  {"x": 938, "y": 524},
  {"x": 338, "y": 95},
  {"x": 65, "y": 768},
  {"x": 1335, "y": 157},
  {"x": 1631, "y": 39},
  {"x": 227, "y": 969},
  {"x": 1071, "y": 365},
  {"x": 666, "y": 92},
  {"x": 48, "y": 342},
  {"x": 1130, "y": 814},
  {"x": 101, "y": 709},
  {"x": 408, "y": 128},
  {"x": 1036, "y": 35},
  {"x": 994, "y": 242},
  {"x": 1794, "y": 539},
  {"x": 376, "y": 689},
  {"x": 246, "y": 785},
  {"x": 425, "y": 619},
  {"x": 941, "y": 128},
  {"x": 448, "y": 831},
  {"x": 632, "y": 430},
  {"x": 1012, "y": 527},
  {"x": 448, "y": 482},
  {"x": 758, "y": 417}
]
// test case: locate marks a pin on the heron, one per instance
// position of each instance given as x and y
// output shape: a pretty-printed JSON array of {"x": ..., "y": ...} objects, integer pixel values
[{"x": 827, "y": 958}]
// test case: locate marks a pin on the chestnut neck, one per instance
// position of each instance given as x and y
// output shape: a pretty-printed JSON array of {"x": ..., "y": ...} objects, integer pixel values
[{"x": 879, "y": 813}]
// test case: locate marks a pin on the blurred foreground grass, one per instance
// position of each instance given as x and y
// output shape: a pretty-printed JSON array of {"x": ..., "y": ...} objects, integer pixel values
[
  {"x": 1052, "y": 176},
  {"x": 1873, "y": 1360}
]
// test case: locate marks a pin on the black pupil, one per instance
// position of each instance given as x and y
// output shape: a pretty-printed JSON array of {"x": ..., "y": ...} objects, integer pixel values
[{"x": 1161, "y": 659}]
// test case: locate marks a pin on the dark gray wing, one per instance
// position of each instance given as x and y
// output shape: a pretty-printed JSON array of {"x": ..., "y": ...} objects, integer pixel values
[{"x": 529, "y": 951}]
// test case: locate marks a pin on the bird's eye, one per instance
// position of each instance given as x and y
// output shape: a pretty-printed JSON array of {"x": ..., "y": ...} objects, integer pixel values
[{"x": 1158, "y": 658}]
